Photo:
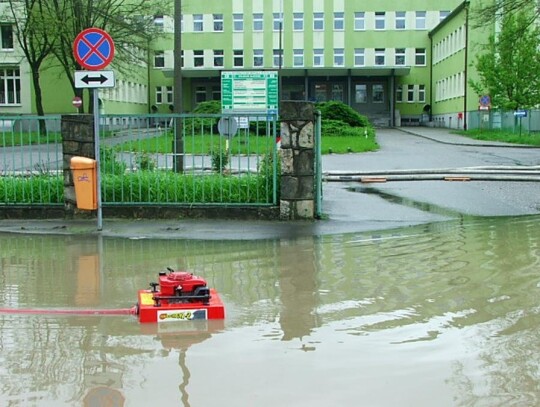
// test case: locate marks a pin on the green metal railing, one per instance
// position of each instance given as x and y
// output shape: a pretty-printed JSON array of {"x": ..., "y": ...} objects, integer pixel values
[
  {"x": 31, "y": 160},
  {"x": 148, "y": 160}
]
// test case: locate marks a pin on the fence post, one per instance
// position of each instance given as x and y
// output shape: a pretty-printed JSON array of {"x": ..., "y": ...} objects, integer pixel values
[{"x": 297, "y": 200}]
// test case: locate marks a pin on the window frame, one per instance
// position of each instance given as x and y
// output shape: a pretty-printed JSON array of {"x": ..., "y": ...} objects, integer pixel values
[
  {"x": 218, "y": 21},
  {"x": 198, "y": 23},
  {"x": 238, "y": 22},
  {"x": 359, "y": 21},
  {"x": 380, "y": 20},
  {"x": 318, "y": 21}
]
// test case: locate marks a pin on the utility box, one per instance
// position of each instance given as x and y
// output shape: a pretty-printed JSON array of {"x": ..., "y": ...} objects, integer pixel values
[{"x": 85, "y": 180}]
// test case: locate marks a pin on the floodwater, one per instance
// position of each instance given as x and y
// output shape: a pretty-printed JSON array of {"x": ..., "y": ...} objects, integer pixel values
[{"x": 445, "y": 314}]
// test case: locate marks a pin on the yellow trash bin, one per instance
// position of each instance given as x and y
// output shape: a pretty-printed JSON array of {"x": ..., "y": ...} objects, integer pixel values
[{"x": 85, "y": 180}]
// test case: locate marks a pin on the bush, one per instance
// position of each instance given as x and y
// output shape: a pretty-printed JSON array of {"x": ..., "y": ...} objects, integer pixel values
[
  {"x": 335, "y": 128},
  {"x": 210, "y": 107},
  {"x": 220, "y": 159},
  {"x": 340, "y": 111}
]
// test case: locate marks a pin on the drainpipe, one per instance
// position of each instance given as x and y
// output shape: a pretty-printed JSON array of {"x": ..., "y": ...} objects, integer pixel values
[
  {"x": 391, "y": 98},
  {"x": 466, "y": 61},
  {"x": 431, "y": 85}
]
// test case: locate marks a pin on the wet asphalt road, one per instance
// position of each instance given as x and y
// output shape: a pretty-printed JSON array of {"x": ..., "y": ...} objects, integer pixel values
[
  {"x": 424, "y": 201},
  {"x": 355, "y": 207}
]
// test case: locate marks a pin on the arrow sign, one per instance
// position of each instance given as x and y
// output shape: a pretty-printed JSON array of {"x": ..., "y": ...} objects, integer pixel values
[{"x": 94, "y": 79}]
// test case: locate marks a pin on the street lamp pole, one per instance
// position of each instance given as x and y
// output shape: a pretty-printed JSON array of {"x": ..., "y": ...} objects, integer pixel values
[
  {"x": 280, "y": 47},
  {"x": 177, "y": 101}
]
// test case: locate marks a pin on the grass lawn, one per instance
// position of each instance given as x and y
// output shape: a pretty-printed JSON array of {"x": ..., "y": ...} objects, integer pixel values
[{"x": 502, "y": 135}]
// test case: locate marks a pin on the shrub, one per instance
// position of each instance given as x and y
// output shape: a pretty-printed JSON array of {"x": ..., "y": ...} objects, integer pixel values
[
  {"x": 220, "y": 159},
  {"x": 109, "y": 163},
  {"x": 210, "y": 107},
  {"x": 340, "y": 111},
  {"x": 334, "y": 128}
]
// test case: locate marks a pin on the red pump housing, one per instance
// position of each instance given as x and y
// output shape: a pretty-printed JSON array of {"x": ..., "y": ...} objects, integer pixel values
[{"x": 179, "y": 296}]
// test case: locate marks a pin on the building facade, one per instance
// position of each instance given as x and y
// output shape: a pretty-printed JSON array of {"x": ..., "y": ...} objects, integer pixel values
[{"x": 398, "y": 63}]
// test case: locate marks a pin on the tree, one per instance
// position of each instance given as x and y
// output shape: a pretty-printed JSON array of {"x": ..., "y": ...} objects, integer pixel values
[
  {"x": 129, "y": 22},
  {"x": 41, "y": 37},
  {"x": 35, "y": 36},
  {"x": 496, "y": 10},
  {"x": 508, "y": 69}
]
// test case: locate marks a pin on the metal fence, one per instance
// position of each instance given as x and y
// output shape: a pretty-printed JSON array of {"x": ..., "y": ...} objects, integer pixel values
[
  {"x": 148, "y": 160},
  {"x": 505, "y": 120}
]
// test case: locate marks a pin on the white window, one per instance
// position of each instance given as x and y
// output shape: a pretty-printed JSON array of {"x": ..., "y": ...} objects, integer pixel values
[
  {"x": 159, "y": 59},
  {"x": 277, "y": 22},
  {"x": 198, "y": 22},
  {"x": 410, "y": 93},
  {"x": 258, "y": 57},
  {"x": 379, "y": 20},
  {"x": 400, "y": 56},
  {"x": 276, "y": 60},
  {"x": 298, "y": 57},
  {"x": 339, "y": 57},
  {"x": 318, "y": 57},
  {"x": 400, "y": 20},
  {"x": 443, "y": 14},
  {"x": 258, "y": 22},
  {"x": 238, "y": 58},
  {"x": 298, "y": 21},
  {"x": 359, "y": 20},
  {"x": 421, "y": 93},
  {"x": 238, "y": 22},
  {"x": 420, "y": 56},
  {"x": 10, "y": 86},
  {"x": 163, "y": 95},
  {"x": 360, "y": 93},
  {"x": 359, "y": 57},
  {"x": 159, "y": 22},
  {"x": 399, "y": 93},
  {"x": 379, "y": 56},
  {"x": 218, "y": 22},
  {"x": 159, "y": 95},
  {"x": 420, "y": 20},
  {"x": 169, "y": 94},
  {"x": 218, "y": 58},
  {"x": 198, "y": 58},
  {"x": 318, "y": 21},
  {"x": 339, "y": 21}
]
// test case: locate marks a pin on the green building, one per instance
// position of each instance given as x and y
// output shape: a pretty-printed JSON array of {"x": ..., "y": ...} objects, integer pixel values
[{"x": 398, "y": 63}]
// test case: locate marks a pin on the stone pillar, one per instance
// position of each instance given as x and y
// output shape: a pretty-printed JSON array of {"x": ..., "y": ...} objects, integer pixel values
[
  {"x": 77, "y": 140},
  {"x": 297, "y": 160}
]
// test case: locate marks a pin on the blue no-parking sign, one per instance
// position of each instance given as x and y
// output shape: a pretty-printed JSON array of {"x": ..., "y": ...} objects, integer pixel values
[{"x": 93, "y": 49}]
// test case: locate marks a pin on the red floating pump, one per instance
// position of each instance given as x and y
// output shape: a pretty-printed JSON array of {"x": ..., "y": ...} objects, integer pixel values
[{"x": 181, "y": 296}]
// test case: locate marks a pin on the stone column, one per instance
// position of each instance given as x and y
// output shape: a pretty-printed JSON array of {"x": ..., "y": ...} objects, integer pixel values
[
  {"x": 77, "y": 140},
  {"x": 297, "y": 160}
]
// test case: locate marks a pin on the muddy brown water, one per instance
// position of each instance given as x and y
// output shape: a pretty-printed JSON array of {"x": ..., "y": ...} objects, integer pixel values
[{"x": 445, "y": 314}]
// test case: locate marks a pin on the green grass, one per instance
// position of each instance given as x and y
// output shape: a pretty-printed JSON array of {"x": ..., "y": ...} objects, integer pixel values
[
  {"x": 145, "y": 187},
  {"x": 25, "y": 139},
  {"x": 200, "y": 144},
  {"x": 358, "y": 140},
  {"x": 502, "y": 135}
]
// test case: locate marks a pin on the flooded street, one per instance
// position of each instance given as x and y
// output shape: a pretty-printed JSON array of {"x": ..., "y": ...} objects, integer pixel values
[{"x": 443, "y": 314}]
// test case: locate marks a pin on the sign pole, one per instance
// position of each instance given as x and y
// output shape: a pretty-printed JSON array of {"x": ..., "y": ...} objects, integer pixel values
[
  {"x": 93, "y": 49},
  {"x": 95, "y": 93}
]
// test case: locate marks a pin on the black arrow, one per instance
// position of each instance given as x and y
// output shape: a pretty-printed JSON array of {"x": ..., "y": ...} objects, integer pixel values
[{"x": 101, "y": 79}]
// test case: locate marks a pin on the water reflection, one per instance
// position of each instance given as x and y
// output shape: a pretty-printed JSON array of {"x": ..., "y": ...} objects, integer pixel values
[{"x": 447, "y": 310}]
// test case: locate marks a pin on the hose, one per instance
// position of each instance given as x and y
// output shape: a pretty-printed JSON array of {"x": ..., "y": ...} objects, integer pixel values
[{"x": 37, "y": 311}]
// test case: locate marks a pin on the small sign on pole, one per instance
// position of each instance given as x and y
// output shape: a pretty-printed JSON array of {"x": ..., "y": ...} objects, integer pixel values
[{"x": 77, "y": 102}]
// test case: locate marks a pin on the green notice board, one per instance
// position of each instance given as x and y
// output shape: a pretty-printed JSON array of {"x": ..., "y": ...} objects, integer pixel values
[{"x": 249, "y": 92}]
